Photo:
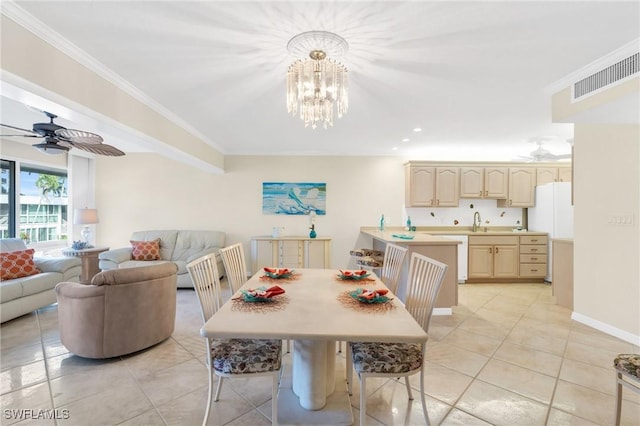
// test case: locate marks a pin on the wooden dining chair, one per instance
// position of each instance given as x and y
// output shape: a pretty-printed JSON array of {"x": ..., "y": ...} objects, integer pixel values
[
  {"x": 380, "y": 359},
  {"x": 392, "y": 266},
  {"x": 235, "y": 266},
  {"x": 232, "y": 357},
  {"x": 627, "y": 367}
]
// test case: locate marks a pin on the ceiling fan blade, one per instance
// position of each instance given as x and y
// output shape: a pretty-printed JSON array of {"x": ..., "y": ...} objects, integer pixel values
[
  {"x": 29, "y": 132},
  {"x": 79, "y": 136},
  {"x": 100, "y": 149}
]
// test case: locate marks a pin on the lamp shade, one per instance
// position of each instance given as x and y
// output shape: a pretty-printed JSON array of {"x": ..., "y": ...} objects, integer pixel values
[{"x": 85, "y": 216}]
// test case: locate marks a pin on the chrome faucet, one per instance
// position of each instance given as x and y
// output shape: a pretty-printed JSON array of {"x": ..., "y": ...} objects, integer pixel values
[{"x": 476, "y": 221}]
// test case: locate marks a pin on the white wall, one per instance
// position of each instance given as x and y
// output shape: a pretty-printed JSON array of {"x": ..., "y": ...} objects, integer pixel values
[
  {"x": 606, "y": 256},
  {"x": 147, "y": 191}
]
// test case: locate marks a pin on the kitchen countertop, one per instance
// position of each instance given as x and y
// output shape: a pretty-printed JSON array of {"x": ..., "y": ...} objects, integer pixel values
[
  {"x": 433, "y": 234},
  {"x": 419, "y": 238}
]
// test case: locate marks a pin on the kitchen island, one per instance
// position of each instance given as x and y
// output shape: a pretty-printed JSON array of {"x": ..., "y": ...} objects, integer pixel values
[{"x": 436, "y": 247}]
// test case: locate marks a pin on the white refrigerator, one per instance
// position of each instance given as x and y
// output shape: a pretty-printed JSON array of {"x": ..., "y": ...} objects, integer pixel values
[{"x": 553, "y": 213}]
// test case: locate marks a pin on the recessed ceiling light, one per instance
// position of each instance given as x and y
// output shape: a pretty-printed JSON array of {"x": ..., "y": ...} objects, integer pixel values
[
  {"x": 417, "y": 129},
  {"x": 405, "y": 140}
]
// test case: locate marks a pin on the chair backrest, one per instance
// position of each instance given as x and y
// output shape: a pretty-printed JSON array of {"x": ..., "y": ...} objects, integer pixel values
[
  {"x": 423, "y": 285},
  {"x": 204, "y": 274},
  {"x": 234, "y": 266},
  {"x": 392, "y": 266}
]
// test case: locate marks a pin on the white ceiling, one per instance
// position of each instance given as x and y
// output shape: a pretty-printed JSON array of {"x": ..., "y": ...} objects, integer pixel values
[{"x": 472, "y": 75}]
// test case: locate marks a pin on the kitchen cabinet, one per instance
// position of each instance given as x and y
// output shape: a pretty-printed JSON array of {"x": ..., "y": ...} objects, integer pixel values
[
  {"x": 522, "y": 182},
  {"x": 533, "y": 256},
  {"x": 290, "y": 252},
  {"x": 565, "y": 174},
  {"x": 428, "y": 186},
  {"x": 483, "y": 182},
  {"x": 493, "y": 257},
  {"x": 552, "y": 174},
  {"x": 546, "y": 175}
]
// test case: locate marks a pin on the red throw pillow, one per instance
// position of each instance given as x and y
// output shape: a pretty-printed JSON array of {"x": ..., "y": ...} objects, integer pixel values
[
  {"x": 145, "y": 250},
  {"x": 17, "y": 264}
]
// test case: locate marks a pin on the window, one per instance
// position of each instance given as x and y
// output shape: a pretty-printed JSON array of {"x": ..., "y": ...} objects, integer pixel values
[{"x": 34, "y": 202}]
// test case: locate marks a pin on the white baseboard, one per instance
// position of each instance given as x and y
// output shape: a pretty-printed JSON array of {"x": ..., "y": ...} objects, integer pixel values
[
  {"x": 606, "y": 328},
  {"x": 442, "y": 311}
]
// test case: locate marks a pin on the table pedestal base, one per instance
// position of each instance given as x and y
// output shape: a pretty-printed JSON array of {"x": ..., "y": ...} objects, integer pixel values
[{"x": 329, "y": 392}]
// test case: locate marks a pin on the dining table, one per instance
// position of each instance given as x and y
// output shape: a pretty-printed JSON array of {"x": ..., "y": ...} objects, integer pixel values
[{"x": 318, "y": 308}]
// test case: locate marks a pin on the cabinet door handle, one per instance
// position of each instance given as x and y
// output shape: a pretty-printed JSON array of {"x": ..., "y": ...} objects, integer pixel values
[
  {"x": 486, "y": 193},
  {"x": 533, "y": 241},
  {"x": 534, "y": 258},
  {"x": 534, "y": 270},
  {"x": 481, "y": 193},
  {"x": 534, "y": 249},
  {"x": 496, "y": 249},
  {"x": 437, "y": 202},
  {"x": 510, "y": 202}
]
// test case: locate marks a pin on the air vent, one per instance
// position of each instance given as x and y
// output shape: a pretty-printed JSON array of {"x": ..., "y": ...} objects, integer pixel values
[{"x": 606, "y": 77}]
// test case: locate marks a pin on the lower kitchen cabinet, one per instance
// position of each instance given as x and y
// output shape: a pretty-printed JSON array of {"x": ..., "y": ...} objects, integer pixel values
[
  {"x": 533, "y": 256},
  {"x": 493, "y": 257},
  {"x": 290, "y": 252}
]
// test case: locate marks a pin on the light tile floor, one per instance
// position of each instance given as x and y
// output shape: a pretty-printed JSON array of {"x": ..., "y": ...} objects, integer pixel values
[{"x": 507, "y": 356}]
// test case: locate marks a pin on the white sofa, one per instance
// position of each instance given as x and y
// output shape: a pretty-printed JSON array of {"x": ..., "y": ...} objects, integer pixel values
[
  {"x": 179, "y": 247},
  {"x": 20, "y": 296}
]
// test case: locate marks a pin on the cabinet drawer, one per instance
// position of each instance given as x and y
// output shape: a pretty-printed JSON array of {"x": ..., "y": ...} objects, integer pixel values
[
  {"x": 533, "y": 239},
  {"x": 528, "y": 270},
  {"x": 533, "y": 258},
  {"x": 492, "y": 240},
  {"x": 529, "y": 249}
]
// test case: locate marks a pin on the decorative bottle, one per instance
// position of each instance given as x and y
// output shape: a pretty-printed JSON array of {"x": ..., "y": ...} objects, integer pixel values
[
  {"x": 408, "y": 223},
  {"x": 382, "y": 222},
  {"x": 312, "y": 234}
]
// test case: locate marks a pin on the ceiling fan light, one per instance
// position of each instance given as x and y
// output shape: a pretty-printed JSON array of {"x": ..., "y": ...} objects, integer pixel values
[{"x": 51, "y": 148}]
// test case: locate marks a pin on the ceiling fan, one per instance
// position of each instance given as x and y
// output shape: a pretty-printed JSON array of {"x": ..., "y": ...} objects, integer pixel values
[
  {"x": 58, "y": 140},
  {"x": 543, "y": 154}
]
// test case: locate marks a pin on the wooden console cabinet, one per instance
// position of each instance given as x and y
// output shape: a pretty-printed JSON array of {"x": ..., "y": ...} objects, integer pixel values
[{"x": 290, "y": 252}]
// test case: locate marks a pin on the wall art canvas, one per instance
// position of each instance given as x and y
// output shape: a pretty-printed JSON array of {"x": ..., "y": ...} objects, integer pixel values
[{"x": 294, "y": 198}]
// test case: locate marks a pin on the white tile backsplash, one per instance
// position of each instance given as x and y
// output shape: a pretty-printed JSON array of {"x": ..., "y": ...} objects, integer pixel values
[{"x": 446, "y": 216}]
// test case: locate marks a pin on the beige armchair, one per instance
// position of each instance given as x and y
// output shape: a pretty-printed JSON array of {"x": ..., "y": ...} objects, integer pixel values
[{"x": 120, "y": 312}]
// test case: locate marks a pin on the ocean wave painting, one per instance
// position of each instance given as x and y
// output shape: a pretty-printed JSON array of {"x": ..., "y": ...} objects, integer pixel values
[{"x": 294, "y": 198}]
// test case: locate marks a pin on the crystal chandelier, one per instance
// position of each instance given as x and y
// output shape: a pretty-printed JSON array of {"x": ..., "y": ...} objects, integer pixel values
[{"x": 317, "y": 85}]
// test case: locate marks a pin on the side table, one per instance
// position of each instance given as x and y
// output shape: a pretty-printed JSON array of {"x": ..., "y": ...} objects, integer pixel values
[{"x": 89, "y": 258}]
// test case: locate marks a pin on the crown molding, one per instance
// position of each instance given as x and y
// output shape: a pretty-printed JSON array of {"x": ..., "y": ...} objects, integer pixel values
[
  {"x": 23, "y": 18},
  {"x": 607, "y": 60}
]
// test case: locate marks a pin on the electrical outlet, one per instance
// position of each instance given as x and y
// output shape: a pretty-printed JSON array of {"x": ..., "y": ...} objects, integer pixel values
[{"x": 626, "y": 219}]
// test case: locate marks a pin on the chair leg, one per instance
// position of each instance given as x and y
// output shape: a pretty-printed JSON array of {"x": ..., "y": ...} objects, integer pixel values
[
  {"x": 339, "y": 346},
  {"x": 218, "y": 388},
  {"x": 363, "y": 400},
  {"x": 274, "y": 398},
  {"x": 422, "y": 397},
  {"x": 618, "y": 398},
  {"x": 406, "y": 383},
  {"x": 288, "y": 346},
  {"x": 209, "y": 394}
]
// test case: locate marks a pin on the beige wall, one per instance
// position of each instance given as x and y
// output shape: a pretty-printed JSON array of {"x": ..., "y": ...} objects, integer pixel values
[
  {"x": 146, "y": 191},
  {"x": 606, "y": 259}
]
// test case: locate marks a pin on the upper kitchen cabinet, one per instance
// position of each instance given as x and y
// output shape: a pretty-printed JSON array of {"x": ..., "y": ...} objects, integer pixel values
[
  {"x": 522, "y": 182},
  {"x": 565, "y": 174},
  {"x": 484, "y": 182},
  {"x": 427, "y": 186},
  {"x": 552, "y": 174}
]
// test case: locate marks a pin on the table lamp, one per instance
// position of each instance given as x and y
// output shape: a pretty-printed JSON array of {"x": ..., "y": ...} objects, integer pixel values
[{"x": 85, "y": 217}]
